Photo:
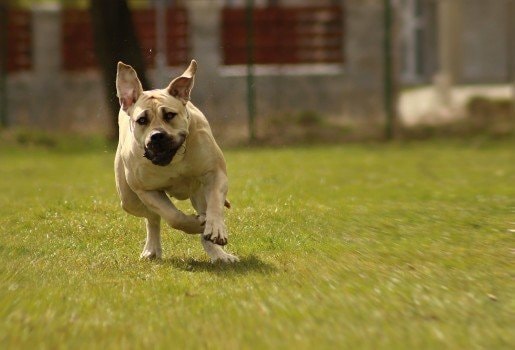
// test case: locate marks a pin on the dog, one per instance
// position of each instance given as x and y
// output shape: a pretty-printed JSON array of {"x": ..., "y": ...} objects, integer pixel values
[{"x": 166, "y": 149}]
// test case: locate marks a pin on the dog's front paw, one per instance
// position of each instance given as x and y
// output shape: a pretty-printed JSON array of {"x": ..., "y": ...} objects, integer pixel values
[
  {"x": 215, "y": 231},
  {"x": 150, "y": 254}
]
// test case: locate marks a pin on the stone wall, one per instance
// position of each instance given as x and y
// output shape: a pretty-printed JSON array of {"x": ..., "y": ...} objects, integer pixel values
[
  {"x": 362, "y": 98},
  {"x": 486, "y": 40}
]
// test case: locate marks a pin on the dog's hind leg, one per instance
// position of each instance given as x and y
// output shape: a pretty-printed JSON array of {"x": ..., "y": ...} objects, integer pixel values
[
  {"x": 214, "y": 251},
  {"x": 198, "y": 201}
]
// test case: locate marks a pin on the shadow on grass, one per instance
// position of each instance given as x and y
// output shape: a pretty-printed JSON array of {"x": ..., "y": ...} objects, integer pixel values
[{"x": 246, "y": 265}]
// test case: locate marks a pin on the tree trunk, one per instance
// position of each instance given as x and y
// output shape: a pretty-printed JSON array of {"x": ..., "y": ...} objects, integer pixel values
[
  {"x": 3, "y": 64},
  {"x": 115, "y": 40}
]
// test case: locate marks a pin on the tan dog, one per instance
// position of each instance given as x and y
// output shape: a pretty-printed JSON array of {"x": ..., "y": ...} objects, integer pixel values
[{"x": 166, "y": 148}]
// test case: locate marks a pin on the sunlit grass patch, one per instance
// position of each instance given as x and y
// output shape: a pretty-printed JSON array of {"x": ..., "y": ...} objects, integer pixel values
[{"x": 374, "y": 246}]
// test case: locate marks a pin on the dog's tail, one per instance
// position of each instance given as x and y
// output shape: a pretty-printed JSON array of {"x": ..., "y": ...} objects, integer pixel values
[{"x": 227, "y": 204}]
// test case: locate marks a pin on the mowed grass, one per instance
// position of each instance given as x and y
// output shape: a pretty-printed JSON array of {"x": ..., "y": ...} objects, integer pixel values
[{"x": 402, "y": 246}]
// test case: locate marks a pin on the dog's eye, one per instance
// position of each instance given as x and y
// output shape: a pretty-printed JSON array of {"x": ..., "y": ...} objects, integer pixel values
[
  {"x": 169, "y": 116},
  {"x": 142, "y": 120}
]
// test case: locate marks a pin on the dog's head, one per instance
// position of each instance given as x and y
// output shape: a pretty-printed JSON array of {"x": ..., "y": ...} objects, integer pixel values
[{"x": 158, "y": 118}]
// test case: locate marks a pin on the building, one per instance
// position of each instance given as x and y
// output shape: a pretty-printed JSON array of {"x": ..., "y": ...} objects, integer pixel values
[
  {"x": 324, "y": 56},
  {"x": 334, "y": 68}
]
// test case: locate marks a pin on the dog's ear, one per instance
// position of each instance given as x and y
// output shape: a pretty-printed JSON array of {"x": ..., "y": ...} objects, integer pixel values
[
  {"x": 181, "y": 86},
  {"x": 128, "y": 86}
]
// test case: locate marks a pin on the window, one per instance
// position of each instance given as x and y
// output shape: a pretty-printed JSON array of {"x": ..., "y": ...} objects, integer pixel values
[
  {"x": 282, "y": 35},
  {"x": 417, "y": 40},
  {"x": 19, "y": 40},
  {"x": 77, "y": 37}
]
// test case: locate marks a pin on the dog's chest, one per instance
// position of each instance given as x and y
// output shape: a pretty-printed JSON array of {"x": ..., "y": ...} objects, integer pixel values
[
  {"x": 182, "y": 187},
  {"x": 176, "y": 185},
  {"x": 179, "y": 187}
]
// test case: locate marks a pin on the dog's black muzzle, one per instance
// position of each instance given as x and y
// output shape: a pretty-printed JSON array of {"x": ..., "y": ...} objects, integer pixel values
[{"x": 162, "y": 147}]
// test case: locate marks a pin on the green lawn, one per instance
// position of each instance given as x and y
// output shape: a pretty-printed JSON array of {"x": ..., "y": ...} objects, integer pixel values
[{"x": 402, "y": 246}]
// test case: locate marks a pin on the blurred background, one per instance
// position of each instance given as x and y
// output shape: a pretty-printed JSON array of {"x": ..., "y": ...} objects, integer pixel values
[{"x": 276, "y": 71}]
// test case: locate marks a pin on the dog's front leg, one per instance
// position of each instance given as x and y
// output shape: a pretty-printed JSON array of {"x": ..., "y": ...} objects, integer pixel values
[
  {"x": 158, "y": 202},
  {"x": 215, "y": 189},
  {"x": 152, "y": 249}
]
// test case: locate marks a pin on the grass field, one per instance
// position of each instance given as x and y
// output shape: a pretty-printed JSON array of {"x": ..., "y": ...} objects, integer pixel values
[{"x": 396, "y": 246}]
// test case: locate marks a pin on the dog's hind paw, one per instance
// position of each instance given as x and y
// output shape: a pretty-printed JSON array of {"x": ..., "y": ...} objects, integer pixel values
[
  {"x": 217, "y": 253},
  {"x": 215, "y": 231},
  {"x": 225, "y": 258}
]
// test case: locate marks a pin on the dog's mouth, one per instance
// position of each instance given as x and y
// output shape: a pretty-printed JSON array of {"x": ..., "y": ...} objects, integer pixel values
[{"x": 161, "y": 153}]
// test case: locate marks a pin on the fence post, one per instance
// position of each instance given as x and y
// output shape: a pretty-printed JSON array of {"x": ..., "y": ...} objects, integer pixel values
[
  {"x": 3, "y": 65},
  {"x": 251, "y": 96},
  {"x": 388, "y": 84},
  {"x": 46, "y": 63},
  {"x": 161, "y": 11},
  {"x": 511, "y": 52},
  {"x": 449, "y": 49}
]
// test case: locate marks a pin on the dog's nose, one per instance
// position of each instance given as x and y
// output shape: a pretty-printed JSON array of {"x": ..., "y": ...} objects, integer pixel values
[{"x": 157, "y": 136}]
